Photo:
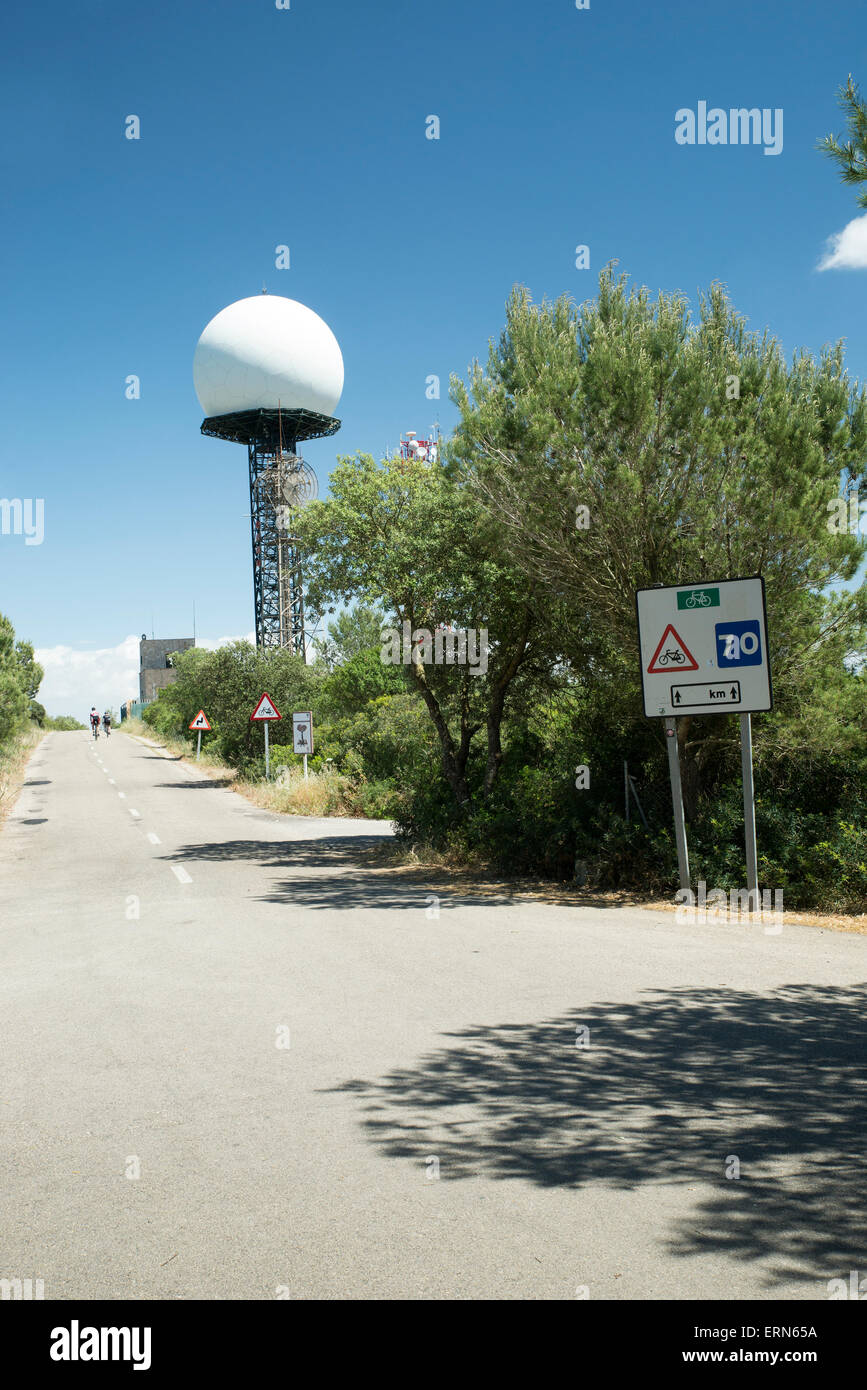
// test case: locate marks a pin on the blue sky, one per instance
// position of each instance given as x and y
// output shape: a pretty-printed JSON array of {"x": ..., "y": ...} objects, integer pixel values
[{"x": 306, "y": 127}]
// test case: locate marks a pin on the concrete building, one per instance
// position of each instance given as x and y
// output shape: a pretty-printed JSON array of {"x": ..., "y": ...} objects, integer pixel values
[{"x": 155, "y": 670}]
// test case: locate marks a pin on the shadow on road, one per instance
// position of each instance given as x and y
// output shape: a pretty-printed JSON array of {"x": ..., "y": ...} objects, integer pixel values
[
  {"x": 333, "y": 889},
  {"x": 334, "y": 851},
  {"x": 197, "y": 785},
  {"x": 384, "y": 894},
  {"x": 668, "y": 1091}
]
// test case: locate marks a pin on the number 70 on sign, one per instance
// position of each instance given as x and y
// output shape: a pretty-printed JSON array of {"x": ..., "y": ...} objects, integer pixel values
[{"x": 738, "y": 644}]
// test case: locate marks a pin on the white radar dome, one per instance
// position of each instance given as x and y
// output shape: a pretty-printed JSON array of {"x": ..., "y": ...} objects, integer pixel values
[{"x": 267, "y": 351}]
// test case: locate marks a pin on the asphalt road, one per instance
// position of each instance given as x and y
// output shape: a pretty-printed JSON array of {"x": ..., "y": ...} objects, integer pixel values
[{"x": 434, "y": 1127}]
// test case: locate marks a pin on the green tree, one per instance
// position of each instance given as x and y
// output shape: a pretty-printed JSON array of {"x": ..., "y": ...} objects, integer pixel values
[
  {"x": 849, "y": 151},
  {"x": 14, "y": 686},
  {"x": 363, "y": 677},
  {"x": 390, "y": 740},
  {"x": 227, "y": 684},
  {"x": 31, "y": 675},
  {"x": 63, "y": 723},
  {"x": 622, "y": 445},
  {"x": 353, "y": 631},
  {"x": 402, "y": 535}
]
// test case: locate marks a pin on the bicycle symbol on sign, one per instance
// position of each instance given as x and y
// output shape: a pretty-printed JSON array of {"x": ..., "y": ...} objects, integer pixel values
[
  {"x": 698, "y": 599},
  {"x": 677, "y": 657}
]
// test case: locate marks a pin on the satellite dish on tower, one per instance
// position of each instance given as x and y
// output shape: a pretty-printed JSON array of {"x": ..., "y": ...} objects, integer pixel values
[
  {"x": 298, "y": 485},
  {"x": 288, "y": 483}
]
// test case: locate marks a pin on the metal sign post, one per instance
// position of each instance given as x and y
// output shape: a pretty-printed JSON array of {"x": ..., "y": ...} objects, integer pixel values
[
  {"x": 677, "y": 801},
  {"x": 264, "y": 712},
  {"x": 704, "y": 650},
  {"x": 750, "y": 811},
  {"x": 199, "y": 723}
]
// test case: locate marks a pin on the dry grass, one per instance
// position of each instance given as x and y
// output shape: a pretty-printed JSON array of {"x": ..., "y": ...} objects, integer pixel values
[
  {"x": 293, "y": 794},
  {"x": 13, "y": 760}
]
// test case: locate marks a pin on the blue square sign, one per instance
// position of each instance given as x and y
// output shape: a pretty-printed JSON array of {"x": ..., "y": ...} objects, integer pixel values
[{"x": 738, "y": 644}]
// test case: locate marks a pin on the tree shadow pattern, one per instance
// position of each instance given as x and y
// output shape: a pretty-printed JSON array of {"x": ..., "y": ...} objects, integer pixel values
[
  {"x": 668, "y": 1091},
  {"x": 328, "y": 874}
]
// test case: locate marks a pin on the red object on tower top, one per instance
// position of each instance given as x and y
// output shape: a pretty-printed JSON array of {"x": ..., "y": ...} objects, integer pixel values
[{"x": 426, "y": 450}]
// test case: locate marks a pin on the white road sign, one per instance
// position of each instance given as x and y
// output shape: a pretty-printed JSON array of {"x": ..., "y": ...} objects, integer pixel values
[
  {"x": 704, "y": 648},
  {"x": 302, "y": 732}
]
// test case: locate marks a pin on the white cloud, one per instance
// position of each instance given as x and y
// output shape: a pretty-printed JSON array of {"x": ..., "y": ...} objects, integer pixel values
[
  {"x": 847, "y": 250},
  {"x": 76, "y": 679}
]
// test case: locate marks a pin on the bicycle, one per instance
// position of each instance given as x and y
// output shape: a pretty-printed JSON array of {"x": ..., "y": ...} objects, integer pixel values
[
  {"x": 676, "y": 656},
  {"x": 95, "y": 730},
  {"x": 699, "y": 600}
]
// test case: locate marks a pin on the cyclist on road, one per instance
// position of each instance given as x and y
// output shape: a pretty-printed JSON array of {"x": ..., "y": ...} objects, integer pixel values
[
  {"x": 94, "y": 721},
  {"x": 106, "y": 723}
]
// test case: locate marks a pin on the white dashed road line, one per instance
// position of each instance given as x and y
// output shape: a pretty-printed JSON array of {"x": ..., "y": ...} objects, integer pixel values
[{"x": 179, "y": 872}]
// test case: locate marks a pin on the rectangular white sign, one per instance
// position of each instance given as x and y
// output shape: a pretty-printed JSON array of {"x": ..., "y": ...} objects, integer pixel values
[
  {"x": 704, "y": 648},
  {"x": 302, "y": 732}
]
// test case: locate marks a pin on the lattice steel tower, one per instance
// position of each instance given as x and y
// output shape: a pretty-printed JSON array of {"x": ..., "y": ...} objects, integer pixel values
[{"x": 268, "y": 374}]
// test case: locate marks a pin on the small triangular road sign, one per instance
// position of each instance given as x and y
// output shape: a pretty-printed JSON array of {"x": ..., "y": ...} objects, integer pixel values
[
  {"x": 672, "y": 654},
  {"x": 266, "y": 709},
  {"x": 200, "y": 721}
]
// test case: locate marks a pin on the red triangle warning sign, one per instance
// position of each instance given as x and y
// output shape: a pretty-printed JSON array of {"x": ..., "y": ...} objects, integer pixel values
[
  {"x": 266, "y": 709},
  {"x": 672, "y": 654},
  {"x": 200, "y": 721}
]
